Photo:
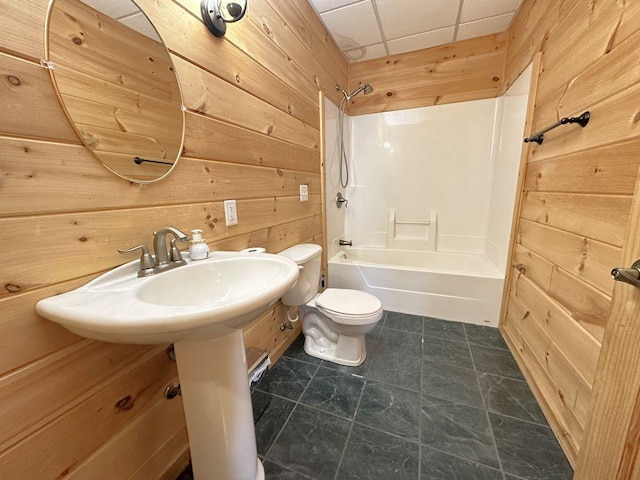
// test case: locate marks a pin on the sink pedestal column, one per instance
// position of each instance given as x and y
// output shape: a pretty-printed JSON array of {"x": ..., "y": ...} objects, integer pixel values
[{"x": 217, "y": 407}]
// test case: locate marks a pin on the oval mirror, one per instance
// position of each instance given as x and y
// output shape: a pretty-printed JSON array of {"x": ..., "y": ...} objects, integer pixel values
[{"x": 117, "y": 84}]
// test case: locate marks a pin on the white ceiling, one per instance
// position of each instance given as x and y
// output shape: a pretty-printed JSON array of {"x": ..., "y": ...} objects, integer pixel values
[
  {"x": 126, "y": 12},
  {"x": 366, "y": 29}
]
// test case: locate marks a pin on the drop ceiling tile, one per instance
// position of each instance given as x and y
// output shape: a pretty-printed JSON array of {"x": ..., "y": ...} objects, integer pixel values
[
  {"x": 141, "y": 24},
  {"x": 477, "y": 9},
  {"x": 409, "y": 17},
  {"x": 115, "y": 8},
  {"x": 421, "y": 40},
  {"x": 353, "y": 25},
  {"x": 484, "y": 27},
  {"x": 365, "y": 53},
  {"x": 322, "y": 6}
]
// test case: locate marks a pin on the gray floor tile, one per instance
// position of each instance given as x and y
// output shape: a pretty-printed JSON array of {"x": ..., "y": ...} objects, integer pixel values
[
  {"x": 374, "y": 455},
  {"x": 446, "y": 351},
  {"x": 403, "y": 321},
  {"x": 495, "y": 361},
  {"x": 270, "y": 413},
  {"x": 334, "y": 391},
  {"x": 529, "y": 451},
  {"x": 287, "y": 378},
  {"x": 510, "y": 397},
  {"x": 434, "y": 327},
  {"x": 296, "y": 350},
  {"x": 459, "y": 385},
  {"x": 276, "y": 472},
  {"x": 396, "y": 369},
  {"x": 441, "y": 466},
  {"x": 396, "y": 341},
  {"x": 311, "y": 443},
  {"x": 485, "y": 336},
  {"x": 390, "y": 409},
  {"x": 457, "y": 429}
]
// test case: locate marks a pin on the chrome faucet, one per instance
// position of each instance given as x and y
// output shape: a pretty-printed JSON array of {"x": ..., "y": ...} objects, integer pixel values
[
  {"x": 172, "y": 257},
  {"x": 344, "y": 243}
]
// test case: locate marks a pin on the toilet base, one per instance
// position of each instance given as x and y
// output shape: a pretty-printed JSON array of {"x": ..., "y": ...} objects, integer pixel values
[
  {"x": 350, "y": 351},
  {"x": 260, "y": 475}
]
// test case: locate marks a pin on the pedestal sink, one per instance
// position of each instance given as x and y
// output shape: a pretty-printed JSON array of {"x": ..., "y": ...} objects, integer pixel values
[{"x": 200, "y": 308}]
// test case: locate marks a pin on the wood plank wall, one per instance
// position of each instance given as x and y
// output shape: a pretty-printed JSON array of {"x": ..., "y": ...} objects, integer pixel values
[
  {"x": 577, "y": 195},
  {"x": 75, "y": 408},
  {"x": 467, "y": 70}
]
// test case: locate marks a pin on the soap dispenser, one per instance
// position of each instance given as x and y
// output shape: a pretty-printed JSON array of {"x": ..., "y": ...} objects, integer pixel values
[{"x": 198, "y": 249}]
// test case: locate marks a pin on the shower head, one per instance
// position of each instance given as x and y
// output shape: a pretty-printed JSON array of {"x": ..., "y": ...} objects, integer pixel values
[{"x": 366, "y": 88}]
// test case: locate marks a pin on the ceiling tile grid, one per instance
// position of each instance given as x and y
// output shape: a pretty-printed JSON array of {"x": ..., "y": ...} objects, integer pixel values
[{"x": 367, "y": 29}]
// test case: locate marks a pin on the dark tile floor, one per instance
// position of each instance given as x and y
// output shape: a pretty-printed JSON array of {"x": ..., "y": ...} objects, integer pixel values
[{"x": 434, "y": 400}]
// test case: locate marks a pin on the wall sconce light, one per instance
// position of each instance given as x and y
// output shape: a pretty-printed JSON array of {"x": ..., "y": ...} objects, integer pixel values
[{"x": 217, "y": 13}]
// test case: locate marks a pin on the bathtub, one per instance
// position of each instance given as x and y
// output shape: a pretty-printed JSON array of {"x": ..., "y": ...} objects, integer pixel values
[{"x": 452, "y": 286}]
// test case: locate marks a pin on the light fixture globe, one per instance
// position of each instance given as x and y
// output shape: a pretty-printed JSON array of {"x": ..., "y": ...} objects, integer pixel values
[{"x": 217, "y": 13}]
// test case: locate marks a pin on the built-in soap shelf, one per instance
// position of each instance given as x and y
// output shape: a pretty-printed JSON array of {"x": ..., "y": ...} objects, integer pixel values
[{"x": 412, "y": 234}]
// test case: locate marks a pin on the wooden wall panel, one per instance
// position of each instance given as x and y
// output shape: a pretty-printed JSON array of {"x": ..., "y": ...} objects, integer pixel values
[
  {"x": 467, "y": 70},
  {"x": 608, "y": 169},
  {"x": 24, "y": 83},
  {"x": 561, "y": 418},
  {"x": 252, "y": 134},
  {"x": 577, "y": 194},
  {"x": 601, "y": 217}
]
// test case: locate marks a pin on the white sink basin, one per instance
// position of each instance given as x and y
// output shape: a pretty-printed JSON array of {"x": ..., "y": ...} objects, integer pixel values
[{"x": 200, "y": 300}]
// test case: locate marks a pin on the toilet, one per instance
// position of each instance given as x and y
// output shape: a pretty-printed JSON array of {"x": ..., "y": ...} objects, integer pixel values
[{"x": 335, "y": 321}]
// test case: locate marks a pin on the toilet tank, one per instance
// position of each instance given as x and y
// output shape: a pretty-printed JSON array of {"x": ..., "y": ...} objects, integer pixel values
[{"x": 307, "y": 256}]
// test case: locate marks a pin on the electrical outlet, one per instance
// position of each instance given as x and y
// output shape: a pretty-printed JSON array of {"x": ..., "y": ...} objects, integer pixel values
[
  {"x": 230, "y": 212},
  {"x": 304, "y": 193}
]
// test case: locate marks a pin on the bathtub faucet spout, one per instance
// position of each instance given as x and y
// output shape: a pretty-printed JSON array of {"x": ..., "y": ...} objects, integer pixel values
[{"x": 345, "y": 243}]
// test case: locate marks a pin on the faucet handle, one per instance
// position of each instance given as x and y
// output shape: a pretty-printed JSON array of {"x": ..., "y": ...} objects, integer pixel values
[
  {"x": 146, "y": 260},
  {"x": 174, "y": 253}
]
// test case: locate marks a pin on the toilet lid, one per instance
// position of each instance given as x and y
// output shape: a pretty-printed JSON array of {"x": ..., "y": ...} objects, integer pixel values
[{"x": 348, "y": 302}]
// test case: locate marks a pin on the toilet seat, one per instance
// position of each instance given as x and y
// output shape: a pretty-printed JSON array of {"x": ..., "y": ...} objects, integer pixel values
[{"x": 349, "y": 307}]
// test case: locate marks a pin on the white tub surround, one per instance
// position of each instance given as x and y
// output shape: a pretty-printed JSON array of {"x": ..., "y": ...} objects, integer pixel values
[
  {"x": 431, "y": 197},
  {"x": 451, "y": 286}
]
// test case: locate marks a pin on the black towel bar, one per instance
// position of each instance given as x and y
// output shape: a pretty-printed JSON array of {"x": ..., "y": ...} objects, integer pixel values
[
  {"x": 139, "y": 160},
  {"x": 583, "y": 120}
]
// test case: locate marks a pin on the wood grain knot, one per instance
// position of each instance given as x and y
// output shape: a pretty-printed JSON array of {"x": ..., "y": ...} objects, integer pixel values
[
  {"x": 266, "y": 29},
  {"x": 77, "y": 40},
  {"x": 389, "y": 94},
  {"x": 636, "y": 119},
  {"x": 125, "y": 403},
  {"x": 521, "y": 268},
  {"x": 279, "y": 172},
  {"x": 237, "y": 78},
  {"x": 13, "y": 80},
  {"x": 83, "y": 239},
  {"x": 270, "y": 130},
  {"x": 12, "y": 288},
  {"x": 496, "y": 79}
]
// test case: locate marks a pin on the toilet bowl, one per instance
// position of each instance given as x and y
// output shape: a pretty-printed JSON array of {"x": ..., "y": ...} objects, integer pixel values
[{"x": 335, "y": 321}]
